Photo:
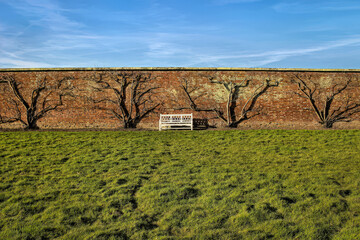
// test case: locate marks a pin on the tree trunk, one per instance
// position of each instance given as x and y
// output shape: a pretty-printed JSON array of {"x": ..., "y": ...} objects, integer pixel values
[
  {"x": 31, "y": 120},
  {"x": 328, "y": 124},
  {"x": 32, "y": 125},
  {"x": 233, "y": 125},
  {"x": 130, "y": 124}
]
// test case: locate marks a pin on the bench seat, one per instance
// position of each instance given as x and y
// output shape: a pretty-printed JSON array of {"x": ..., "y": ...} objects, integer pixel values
[{"x": 176, "y": 121}]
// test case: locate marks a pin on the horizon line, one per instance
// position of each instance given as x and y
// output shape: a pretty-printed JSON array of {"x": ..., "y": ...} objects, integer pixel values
[{"x": 177, "y": 69}]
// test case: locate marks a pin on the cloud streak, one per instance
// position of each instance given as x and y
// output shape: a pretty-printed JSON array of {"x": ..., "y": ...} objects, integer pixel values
[
  {"x": 48, "y": 31},
  {"x": 225, "y": 2},
  {"x": 302, "y": 7},
  {"x": 268, "y": 57},
  {"x": 45, "y": 13},
  {"x": 15, "y": 63},
  {"x": 158, "y": 35}
]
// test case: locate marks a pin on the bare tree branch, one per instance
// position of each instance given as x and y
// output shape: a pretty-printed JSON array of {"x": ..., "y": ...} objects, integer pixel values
[
  {"x": 322, "y": 99},
  {"x": 46, "y": 96},
  {"x": 230, "y": 115},
  {"x": 131, "y": 99},
  {"x": 13, "y": 105}
]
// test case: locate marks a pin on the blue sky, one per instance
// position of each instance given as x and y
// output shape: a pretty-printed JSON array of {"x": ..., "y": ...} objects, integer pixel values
[{"x": 180, "y": 33}]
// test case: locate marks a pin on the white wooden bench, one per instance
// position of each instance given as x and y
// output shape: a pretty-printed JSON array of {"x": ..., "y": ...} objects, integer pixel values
[{"x": 176, "y": 121}]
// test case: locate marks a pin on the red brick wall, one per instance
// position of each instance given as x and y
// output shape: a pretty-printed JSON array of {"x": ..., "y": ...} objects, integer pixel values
[{"x": 280, "y": 106}]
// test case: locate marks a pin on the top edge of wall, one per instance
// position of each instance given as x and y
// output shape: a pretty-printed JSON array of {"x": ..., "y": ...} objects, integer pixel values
[{"x": 174, "y": 69}]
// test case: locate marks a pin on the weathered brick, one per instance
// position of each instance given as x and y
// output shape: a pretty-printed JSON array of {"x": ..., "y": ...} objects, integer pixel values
[{"x": 281, "y": 108}]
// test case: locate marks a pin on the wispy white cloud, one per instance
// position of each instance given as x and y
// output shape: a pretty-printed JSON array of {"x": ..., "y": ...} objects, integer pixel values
[
  {"x": 14, "y": 63},
  {"x": 225, "y": 2},
  {"x": 268, "y": 57},
  {"x": 8, "y": 54},
  {"x": 166, "y": 38},
  {"x": 44, "y": 4},
  {"x": 155, "y": 36},
  {"x": 45, "y": 13},
  {"x": 300, "y": 7},
  {"x": 48, "y": 31},
  {"x": 2, "y": 27}
]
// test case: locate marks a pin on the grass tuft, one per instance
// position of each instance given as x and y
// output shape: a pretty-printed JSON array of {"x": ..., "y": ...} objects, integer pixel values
[{"x": 180, "y": 185}]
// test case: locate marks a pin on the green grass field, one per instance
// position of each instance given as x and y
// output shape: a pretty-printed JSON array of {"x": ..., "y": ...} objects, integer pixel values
[{"x": 180, "y": 185}]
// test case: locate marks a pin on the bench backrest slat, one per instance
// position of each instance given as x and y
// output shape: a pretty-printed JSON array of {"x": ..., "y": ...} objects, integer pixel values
[{"x": 176, "y": 119}]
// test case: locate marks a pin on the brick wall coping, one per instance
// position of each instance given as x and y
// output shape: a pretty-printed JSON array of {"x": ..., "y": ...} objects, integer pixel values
[{"x": 174, "y": 69}]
